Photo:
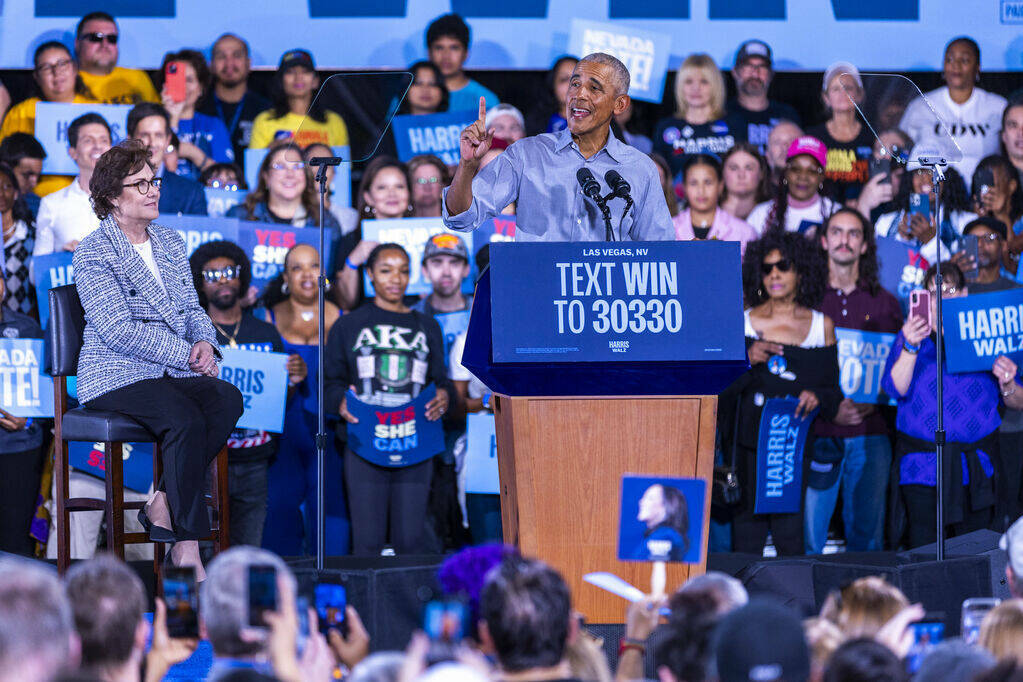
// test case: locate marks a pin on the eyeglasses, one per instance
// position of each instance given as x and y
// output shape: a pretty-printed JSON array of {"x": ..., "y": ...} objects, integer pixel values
[
  {"x": 945, "y": 290},
  {"x": 432, "y": 180},
  {"x": 217, "y": 184},
  {"x": 111, "y": 38},
  {"x": 783, "y": 265},
  {"x": 143, "y": 185},
  {"x": 62, "y": 65},
  {"x": 298, "y": 165},
  {"x": 989, "y": 237},
  {"x": 229, "y": 273}
]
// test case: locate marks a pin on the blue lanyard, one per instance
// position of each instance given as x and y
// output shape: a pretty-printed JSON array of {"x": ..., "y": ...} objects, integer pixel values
[{"x": 237, "y": 113}]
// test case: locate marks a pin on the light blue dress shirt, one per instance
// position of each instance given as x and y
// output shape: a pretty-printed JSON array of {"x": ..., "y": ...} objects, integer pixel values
[{"x": 539, "y": 174}]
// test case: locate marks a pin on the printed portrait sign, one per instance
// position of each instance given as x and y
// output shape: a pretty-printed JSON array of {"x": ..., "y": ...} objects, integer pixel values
[{"x": 661, "y": 519}]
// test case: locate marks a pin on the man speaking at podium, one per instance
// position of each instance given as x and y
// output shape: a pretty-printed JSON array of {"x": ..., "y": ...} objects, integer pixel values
[{"x": 579, "y": 184}]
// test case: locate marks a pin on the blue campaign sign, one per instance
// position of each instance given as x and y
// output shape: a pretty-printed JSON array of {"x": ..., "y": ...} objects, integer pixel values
[
  {"x": 49, "y": 271},
  {"x": 413, "y": 233},
  {"x": 52, "y": 121},
  {"x": 262, "y": 379},
  {"x": 902, "y": 269},
  {"x": 436, "y": 134},
  {"x": 199, "y": 229},
  {"x": 395, "y": 436},
  {"x": 592, "y": 302},
  {"x": 25, "y": 388},
  {"x": 136, "y": 458},
  {"x": 980, "y": 327},
  {"x": 451, "y": 325},
  {"x": 219, "y": 201},
  {"x": 861, "y": 358},
  {"x": 644, "y": 53},
  {"x": 267, "y": 244},
  {"x": 498, "y": 229},
  {"x": 481, "y": 475},
  {"x": 780, "y": 457},
  {"x": 661, "y": 519}
]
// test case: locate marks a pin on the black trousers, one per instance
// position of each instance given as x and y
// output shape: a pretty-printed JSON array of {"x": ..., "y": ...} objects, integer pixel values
[
  {"x": 247, "y": 488},
  {"x": 1008, "y": 481},
  {"x": 921, "y": 515},
  {"x": 387, "y": 503},
  {"x": 191, "y": 419},
  {"x": 749, "y": 530},
  {"x": 19, "y": 489}
]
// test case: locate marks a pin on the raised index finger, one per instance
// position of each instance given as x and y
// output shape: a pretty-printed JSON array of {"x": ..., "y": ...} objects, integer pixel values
[{"x": 483, "y": 109}]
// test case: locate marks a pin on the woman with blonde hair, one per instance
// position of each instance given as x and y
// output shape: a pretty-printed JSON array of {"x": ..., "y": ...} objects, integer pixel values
[
  {"x": 700, "y": 125},
  {"x": 1001, "y": 631},
  {"x": 863, "y": 607}
]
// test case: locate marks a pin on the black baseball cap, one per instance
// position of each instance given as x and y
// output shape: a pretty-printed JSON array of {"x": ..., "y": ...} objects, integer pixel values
[
  {"x": 296, "y": 58},
  {"x": 991, "y": 223},
  {"x": 762, "y": 641},
  {"x": 754, "y": 48}
]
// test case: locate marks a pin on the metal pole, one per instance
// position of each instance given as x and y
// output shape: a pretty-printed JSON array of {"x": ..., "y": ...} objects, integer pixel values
[{"x": 939, "y": 433}]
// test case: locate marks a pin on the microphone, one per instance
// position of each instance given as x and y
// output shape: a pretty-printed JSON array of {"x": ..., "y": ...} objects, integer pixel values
[
  {"x": 619, "y": 186},
  {"x": 591, "y": 187}
]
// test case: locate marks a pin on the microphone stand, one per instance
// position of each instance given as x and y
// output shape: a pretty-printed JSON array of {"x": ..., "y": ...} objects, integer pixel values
[
  {"x": 937, "y": 165},
  {"x": 609, "y": 235},
  {"x": 322, "y": 163}
]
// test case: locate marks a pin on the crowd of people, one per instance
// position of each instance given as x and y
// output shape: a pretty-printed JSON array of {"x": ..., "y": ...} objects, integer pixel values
[
  {"x": 809, "y": 204},
  {"x": 516, "y": 622}
]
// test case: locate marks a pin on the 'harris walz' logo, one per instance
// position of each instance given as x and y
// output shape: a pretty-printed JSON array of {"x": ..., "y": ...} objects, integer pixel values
[{"x": 618, "y": 346}]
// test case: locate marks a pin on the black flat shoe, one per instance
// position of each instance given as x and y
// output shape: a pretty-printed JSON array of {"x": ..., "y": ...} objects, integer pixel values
[{"x": 156, "y": 533}]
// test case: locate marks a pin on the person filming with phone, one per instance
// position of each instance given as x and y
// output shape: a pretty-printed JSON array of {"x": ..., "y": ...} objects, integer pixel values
[
  {"x": 971, "y": 420},
  {"x": 561, "y": 181}
]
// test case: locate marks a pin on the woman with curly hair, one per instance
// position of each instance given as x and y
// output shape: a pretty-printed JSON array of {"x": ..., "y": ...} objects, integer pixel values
[{"x": 791, "y": 348}]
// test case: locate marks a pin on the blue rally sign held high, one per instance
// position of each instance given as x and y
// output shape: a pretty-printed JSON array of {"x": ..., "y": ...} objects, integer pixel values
[
  {"x": 25, "y": 389},
  {"x": 616, "y": 302},
  {"x": 780, "y": 457},
  {"x": 980, "y": 327},
  {"x": 395, "y": 436},
  {"x": 436, "y": 134}
]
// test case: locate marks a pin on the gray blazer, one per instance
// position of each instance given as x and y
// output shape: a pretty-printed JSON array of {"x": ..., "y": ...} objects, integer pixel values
[{"x": 133, "y": 330}]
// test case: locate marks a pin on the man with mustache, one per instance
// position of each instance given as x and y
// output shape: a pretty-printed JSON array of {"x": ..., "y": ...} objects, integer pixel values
[
  {"x": 753, "y": 72},
  {"x": 539, "y": 172},
  {"x": 851, "y": 451}
]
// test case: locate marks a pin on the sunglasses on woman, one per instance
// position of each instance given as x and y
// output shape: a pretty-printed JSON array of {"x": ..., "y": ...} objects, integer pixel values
[{"x": 783, "y": 265}]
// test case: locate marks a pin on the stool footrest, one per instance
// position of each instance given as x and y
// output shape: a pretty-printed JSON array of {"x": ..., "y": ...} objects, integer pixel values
[{"x": 85, "y": 504}]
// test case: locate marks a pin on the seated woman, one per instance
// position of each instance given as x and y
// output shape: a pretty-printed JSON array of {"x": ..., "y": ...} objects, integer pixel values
[
  {"x": 791, "y": 347},
  {"x": 972, "y": 403},
  {"x": 285, "y": 192},
  {"x": 149, "y": 350}
]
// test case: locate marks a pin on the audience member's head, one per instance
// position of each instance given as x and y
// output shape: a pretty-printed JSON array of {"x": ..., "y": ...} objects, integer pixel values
[
  {"x": 781, "y": 137},
  {"x": 464, "y": 573},
  {"x": 223, "y": 176},
  {"x": 197, "y": 73},
  {"x": 780, "y": 263},
  {"x": 224, "y": 601},
  {"x": 96, "y": 43},
  {"x": 699, "y": 85},
  {"x": 229, "y": 61},
  {"x": 1011, "y": 543},
  {"x": 685, "y": 649},
  {"x": 382, "y": 666},
  {"x": 558, "y": 79},
  {"x": 294, "y": 85},
  {"x": 727, "y": 592},
  {"x": 861, "y": 608},
  {"x": 384, "y": 189},
  {"x": 525, "y": 607},
  {"x": 753, "y": 69},
  {"x": 88, "y": 138},
  {"x": 842, "y": 88},
  {"x": 1012, "y": 133},
  {"x": 150, "y": 123},
  {"x": 864, "y": 660},
  {"x": 953, "y": 281},
  {"x": 996, "y": 188},
  {"x": 221, "y": 273},
  {"x": 108, "y": 601},
  {"x": 746, "y": 173},
  {"x": 24, "y": 154},
  {"x": 447, "y": 42},
  {"x": 428, "y": 93},
  {"x": 962, "y": 63},
  {"x": 37, "y": 636},
  {"x": 848, "y": 238},
  {"x": 56, "y": 73},
  {"x": 953, "y": 661},
  {"x": 761, "y": 641},
  {"x": 284, "y": 179},
  {"x": 428, "y": 176},
  {"x": 1001, "y": 631},
  {"x": 506, "y": 122}
]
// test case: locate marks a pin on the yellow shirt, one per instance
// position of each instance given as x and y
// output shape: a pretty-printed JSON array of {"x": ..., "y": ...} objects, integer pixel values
[
  {"x": 266, "y": 129},
  {"x": 121, "y": 86},
  {"x": 21, "y": 118}
]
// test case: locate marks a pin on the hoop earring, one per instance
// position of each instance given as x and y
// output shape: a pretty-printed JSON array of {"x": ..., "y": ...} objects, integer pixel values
[
  {"x": 760, "y": 292},
  {"x": 785, "y": 181},
  {"x": 820, "y": 187},
  {"x": 284, "y": 288}
]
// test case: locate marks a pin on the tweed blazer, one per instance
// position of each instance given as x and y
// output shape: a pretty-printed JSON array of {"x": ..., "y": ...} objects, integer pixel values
[{"x": 133, "y": 329}]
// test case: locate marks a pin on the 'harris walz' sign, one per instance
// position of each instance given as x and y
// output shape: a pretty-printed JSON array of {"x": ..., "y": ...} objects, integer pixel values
[{"x": 980, "y": 327}]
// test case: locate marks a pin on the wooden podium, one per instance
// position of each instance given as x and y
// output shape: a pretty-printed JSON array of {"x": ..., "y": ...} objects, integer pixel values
[{"x": 565, "y": 438}]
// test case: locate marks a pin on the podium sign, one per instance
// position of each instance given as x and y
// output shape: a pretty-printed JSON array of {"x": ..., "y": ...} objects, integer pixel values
[{"x": 644, "y": 302}]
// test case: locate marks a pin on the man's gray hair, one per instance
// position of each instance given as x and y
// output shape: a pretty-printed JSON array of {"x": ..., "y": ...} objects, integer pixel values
[
  {"x": 36, "y": 626},
  {"x": 383, "y": 666},
  {"x": 224, "y": 599},
  {"x": 619, "y": 74},
  {"x": 727, "y": 591}
]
